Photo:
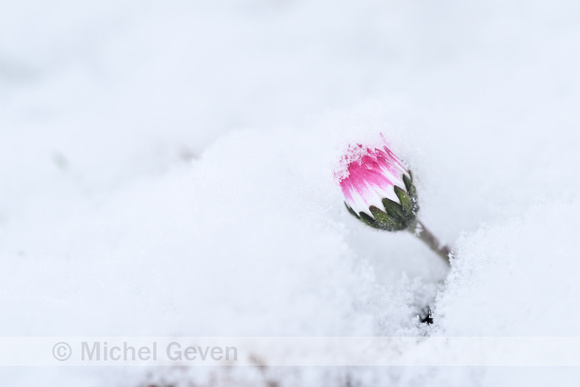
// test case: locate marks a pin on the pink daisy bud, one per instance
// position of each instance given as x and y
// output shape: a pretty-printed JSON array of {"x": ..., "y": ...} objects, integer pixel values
[{"x": 377, "y": 187}]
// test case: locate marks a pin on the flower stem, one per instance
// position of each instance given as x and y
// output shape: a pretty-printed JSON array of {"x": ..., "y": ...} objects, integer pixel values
[{"x": 420, "y": 231}]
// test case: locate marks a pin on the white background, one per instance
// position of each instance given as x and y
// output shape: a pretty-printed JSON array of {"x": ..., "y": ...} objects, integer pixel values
[{"x": 166, "y": 169}]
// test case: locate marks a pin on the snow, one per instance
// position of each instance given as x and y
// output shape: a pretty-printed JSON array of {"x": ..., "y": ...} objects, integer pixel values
[{"x": 167, "y": 169}]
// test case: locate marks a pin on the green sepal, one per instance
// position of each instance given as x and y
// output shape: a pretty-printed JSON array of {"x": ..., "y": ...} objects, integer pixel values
[
  {"x": 351, "y": 211},
  {"x": 408, "y": 180},
  {"x": 405, "y": 199},
  {"x": 411, "y": 191},
  {"x": 393, "y": 208},
  {"x": 369, "y": 221},
  {"x": 384, "y": 220}
]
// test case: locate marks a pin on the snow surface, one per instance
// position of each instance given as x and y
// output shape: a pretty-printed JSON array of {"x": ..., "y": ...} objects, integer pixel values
[{"x": 166, "y": 169}]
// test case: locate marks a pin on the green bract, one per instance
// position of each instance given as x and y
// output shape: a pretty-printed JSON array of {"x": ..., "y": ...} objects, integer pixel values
[{"x": 394, "y": 216}]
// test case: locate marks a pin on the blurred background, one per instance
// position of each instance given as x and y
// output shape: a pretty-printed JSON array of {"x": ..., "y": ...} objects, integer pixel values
[
  {"x": 117, "y": 89},
  {"x": 150, "y": 151}
]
